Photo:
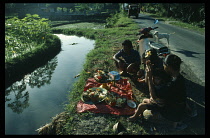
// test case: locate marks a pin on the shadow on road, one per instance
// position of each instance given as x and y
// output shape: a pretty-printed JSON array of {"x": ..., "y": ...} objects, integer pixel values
[{"x": 187, "y": 53}]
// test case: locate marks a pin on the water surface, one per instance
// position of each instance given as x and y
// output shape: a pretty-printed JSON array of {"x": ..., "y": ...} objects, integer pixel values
[{"x": 40, "y": 95}]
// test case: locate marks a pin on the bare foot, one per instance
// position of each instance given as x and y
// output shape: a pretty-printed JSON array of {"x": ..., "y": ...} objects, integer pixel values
[{"x": 141, "y": 80}]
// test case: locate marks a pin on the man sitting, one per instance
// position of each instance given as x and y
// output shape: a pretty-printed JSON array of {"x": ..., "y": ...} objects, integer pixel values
[{"x": 127, "y": 59}]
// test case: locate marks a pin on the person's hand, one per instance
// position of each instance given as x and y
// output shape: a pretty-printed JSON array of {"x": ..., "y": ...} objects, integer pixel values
[{"x": 148, "y": 62}]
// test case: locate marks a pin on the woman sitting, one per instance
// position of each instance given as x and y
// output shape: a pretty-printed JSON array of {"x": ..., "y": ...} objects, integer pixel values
[{"x": 156, "y": 79}]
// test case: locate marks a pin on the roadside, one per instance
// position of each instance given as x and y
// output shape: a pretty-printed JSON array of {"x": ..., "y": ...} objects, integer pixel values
[
  {"x": 107, "y": 42},
  {"x": 187, "y": 44},
  {"x": 175, "y": 22}
]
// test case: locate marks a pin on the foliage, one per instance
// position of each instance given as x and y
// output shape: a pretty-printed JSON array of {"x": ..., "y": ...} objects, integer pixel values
[
  {"x": 112, "y": 20},
  {"x": 186, "y": 12},
  {"x": 63, "y": 7},
  {"x": 118, "y": 19},
  {"x": 29, "y": 61},
  {"x": 23, "y": 35}
]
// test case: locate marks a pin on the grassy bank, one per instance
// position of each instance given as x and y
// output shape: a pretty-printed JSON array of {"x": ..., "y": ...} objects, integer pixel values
[
  {"x": 107, "y": 43},
  {"x": 192, "y": 26},
  {"x": 16, "y": 67},
  {"x": 28, "y": 45}
]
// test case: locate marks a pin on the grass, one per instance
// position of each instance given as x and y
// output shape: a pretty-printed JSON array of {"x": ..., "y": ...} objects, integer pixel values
[
  {"x": 81, "y": 25},
  {"x": 29, "y": 61},
  {"x": 28, "y": 45},
  {"x": 179, "y": 23},
  {"x": 189, "y": 26}
]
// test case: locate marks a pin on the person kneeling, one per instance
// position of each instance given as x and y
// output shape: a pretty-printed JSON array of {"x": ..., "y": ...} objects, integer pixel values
[{"x": 127, "y": 59}]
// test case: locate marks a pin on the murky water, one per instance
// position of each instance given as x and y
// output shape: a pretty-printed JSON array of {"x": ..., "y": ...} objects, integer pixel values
[{"x": 31, "y": 102}]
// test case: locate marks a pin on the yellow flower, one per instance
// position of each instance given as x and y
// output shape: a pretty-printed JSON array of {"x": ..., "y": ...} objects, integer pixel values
[
  {"x": 148, "y": 54},
  {"x": 42, "y": 37},
  {"x": 13, "y": 52}
]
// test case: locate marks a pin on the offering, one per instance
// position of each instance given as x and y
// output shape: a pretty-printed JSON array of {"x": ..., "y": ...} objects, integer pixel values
[
  {"x": 101, "y": 76},
  {"x": 110, "y": 100},
  {"x": 120, "y": 102},
  {"x": 113, "y": 99},
  {"x": 94, "y": 95}
]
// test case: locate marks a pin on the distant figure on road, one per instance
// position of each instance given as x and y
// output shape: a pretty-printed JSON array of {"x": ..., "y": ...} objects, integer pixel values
[{"x": 127, "y": 59}]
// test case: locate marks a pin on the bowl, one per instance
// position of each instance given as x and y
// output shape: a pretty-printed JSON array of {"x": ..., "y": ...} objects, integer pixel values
[
  {"x": 114, "y": 74},
  {"x": 131, "y": 103}
]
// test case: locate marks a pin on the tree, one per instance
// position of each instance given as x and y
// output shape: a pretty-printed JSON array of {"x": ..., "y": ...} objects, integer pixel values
[{"x": 187, "y": 12}]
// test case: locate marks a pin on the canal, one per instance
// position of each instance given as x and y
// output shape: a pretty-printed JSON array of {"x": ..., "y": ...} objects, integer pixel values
[{"x": 32, "y": 102}]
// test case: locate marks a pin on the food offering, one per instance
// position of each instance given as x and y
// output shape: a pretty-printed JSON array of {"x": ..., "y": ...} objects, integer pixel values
[
  {"x": 101, "y": 76},
  {"x": 114, "y": 99},
  {"x": 110, "y": 100},
  {"x": 94, "y": 95},
  {"x": 121, "y": 102}
]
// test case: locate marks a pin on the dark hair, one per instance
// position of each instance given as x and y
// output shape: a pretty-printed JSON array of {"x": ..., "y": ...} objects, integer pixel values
[
  {"x": 143, "y": 56},
  {"x": 161, "y": 73},
  {"x": 127, "y": 43},
  {"x": 173, "y": 61}
]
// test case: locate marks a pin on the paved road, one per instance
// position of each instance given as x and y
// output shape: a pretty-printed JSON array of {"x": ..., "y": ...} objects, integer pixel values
[{"x": 188, "y": 45}]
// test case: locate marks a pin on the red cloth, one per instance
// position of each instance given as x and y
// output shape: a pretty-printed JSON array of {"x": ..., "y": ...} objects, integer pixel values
[
  {"x": 104, "y": 108},
  {"x": 122, "y": 87}
]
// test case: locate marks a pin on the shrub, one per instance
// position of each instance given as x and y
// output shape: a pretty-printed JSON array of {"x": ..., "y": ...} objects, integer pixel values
[{"x": 22, "y": 35}]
